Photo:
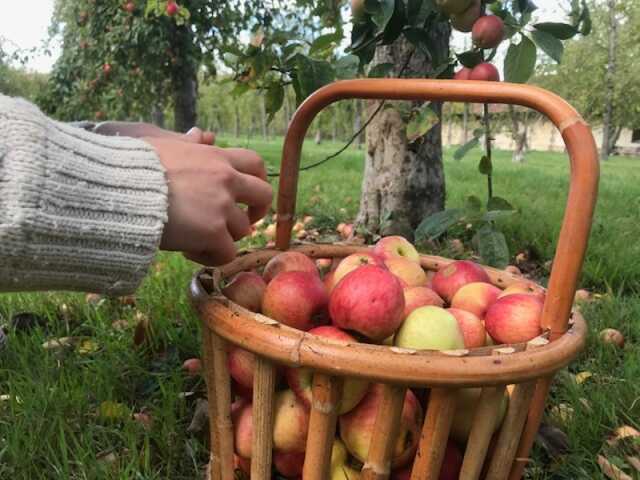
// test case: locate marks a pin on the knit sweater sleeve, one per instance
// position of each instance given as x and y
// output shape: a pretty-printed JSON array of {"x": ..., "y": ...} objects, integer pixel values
[{"x": 78, "y": 211}]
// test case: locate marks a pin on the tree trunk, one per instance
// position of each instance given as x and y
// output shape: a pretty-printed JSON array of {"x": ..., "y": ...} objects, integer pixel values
[
  {"x": 334, "y": 125},
  {"x": 157, "y": 116},
  {"x": 263, "y": 118},
  {"x": 236, "y": 123},
  {"x": 357, "y": 123},
  {"x": 519, "y": 133},
  {"x": 465, "y": 124},
  {"x": 403, "y": 182},
  {"x": 185, "y": 106},
  {"x": 610, "y": 82}
]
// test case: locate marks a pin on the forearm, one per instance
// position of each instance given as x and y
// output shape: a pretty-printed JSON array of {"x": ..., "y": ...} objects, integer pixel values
[{"x": 78, "y": 211}]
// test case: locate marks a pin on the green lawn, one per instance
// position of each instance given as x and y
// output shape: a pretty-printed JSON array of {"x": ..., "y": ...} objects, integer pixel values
[{"x": 49, "y": 421}]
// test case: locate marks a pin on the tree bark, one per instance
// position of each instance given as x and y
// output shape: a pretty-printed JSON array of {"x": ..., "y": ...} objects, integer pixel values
[
  {"x": 263, "y": 117},
  {"x": 157, "y": 116},
  {"x": 519, "y": 133},
  {"x": 357, "y": 123},
  {"x": 403, "y": 182},
  {"x": 609, "y": 82},
  {"x": 186, "y": 98},
  {"x": 465, "y": 124}
]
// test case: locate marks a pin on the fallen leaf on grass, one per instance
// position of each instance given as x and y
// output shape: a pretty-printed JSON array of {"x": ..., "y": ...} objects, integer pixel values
[
  {"x": 120, "y": 325},
  {"x": 113, "y": 411},
  {"x": 583, "y": 377},
  {"x": 62, "y": 342},
  {"x": 623, "y": 433},
  {"x": 200, "y": 417},
  {"x": 143, "y": 332},
  {"x": 634, "y": 462},
  {"x": 562, "y": 412},
  {"x": 610, "y": 470},
  {"x": 553, "y": 440},
  {"x": 108, "y": 458},
  {"x": 86, "y": 347}
]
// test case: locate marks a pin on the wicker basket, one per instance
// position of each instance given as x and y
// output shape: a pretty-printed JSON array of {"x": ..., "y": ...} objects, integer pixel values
[{"x": 528, "y": 367}]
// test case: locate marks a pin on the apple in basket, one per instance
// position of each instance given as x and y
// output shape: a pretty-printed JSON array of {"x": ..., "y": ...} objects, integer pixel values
[
  {"x": 354, "y": 261},
  {"x": 473, "y": 331},
  {"x": 246, "y": 289},
  {"x": 241, "y": 368},
  {"x": 524, "y": 287},
  {"x": 300, "y": 380},
  {"x": 288, "y": 262},
  {"x": 394, "y": 247},
  {"x": 467, "y": 403},
  {"x": 339, "y": 469},
  {"x": 430, "y": 328},
  {"x": 476, "y": 298},
  {"x": 409, "y": 272},
  {"x": 369, "y": 301},
  {"x": 451, "y": 465},
  {"x": 357, "y": 427},
  {"x": 415, "y": 297},
  {"x": 288, "y": 464},
  {"x": 448, "y": 280},
  {"x": 514, "y": 318},
  {"x": 297, "y": 299}
]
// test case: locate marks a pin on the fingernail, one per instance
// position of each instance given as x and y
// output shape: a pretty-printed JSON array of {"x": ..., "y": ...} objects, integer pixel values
[{"x": 193, "y": 130}]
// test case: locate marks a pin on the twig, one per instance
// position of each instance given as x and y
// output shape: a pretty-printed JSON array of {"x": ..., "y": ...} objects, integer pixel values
[
  {"x": 359, "y": 132},
  {"x": 487, "y": 147}
]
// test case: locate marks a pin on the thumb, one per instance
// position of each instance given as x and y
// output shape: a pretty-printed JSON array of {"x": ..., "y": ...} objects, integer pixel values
[{"x": 194, "y": 135}]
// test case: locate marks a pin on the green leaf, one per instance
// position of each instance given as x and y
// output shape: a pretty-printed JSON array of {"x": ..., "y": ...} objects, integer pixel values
[
  {"x": 466, "y": 148},
  {"x": 395, "y": 25},
  {"x": 324, "y": 42},
  {"x": 520, "y": 61},
  {"x": 347, "y": 66},
  {"x": 274, "y": 99},
  {"x": 485, "y": 167},
  {"x": 499, "y": 203},
  {"x": 381, "y": 11},
  {"x": 474, "y": 204},
  {"x": 494, "y": 215},
  {"x": 381, "y": 70},
  {"x": 421, "y": 123},
  {"x": 471, "y": 58},
  {"x": 562, "y": 31},
  {"x": 435, "y": 225},
  {"x": 548, "y": 44},
  {"x": 311, "y": 75},
  {"x": 584, "y": 23},
  {"x": 492, "y": 247}
]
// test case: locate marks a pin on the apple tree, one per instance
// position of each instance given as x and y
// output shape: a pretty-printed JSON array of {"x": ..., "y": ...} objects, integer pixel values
[{"x": 404, "y": 179}]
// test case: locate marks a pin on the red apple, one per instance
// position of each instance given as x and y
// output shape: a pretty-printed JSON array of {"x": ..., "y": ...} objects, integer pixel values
[
  {"x": 488, "y": 31},
  {"x": 513, "y": 270},
  {"x": 369, "y": 301},
  {"x": 396, "y": 246},
  {"x": 514, "y": 318},
  {"x": 247, "y": 290},
  {"x": 242, "y": 419},
  {"x": 453, "y": 6},
  {"x": 473, "y": 331},
  {"x": 241, "y": 464},
  {"x": 463, "y": 22},
  {"x": 290, "y": 424},
  {"x": 130, "y": 7},
  {"x": 288, "y": 464},
  {"x": 297, "y": 299},
  {"x": 415, "y": 297},
  {"x": 451, "y": 465},
  {"x": 356, "y": 427},
  {"x": 288, "y": 262},
  {"x": 462, "y": 74},
  {"x": 241, "y": 368},
  {"x": 524, "y": 287},
  {"x": 410, "y": 273},
  {"x": 106, "y": 68},
  {"x": 448, "y": 280},
  {"x": 192, "y": 366},
  {"x": 324, "y": 264},
  {"x": 476, "y": 298},
  {"x": 329, "y": 281},
  {"x": 172, "y": 8},
  {"x": 354, "y": 261},
  {"x": 611, "y": 336},
  {"x": 300, "y": 380},
  {"x": 485, "y": 72}
]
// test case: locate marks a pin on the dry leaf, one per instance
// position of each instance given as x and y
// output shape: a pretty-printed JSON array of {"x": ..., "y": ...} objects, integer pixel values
[
  {"x": 562, "y": 412},
  {"x": 200, "y": 417},
  {"x": 610, "y": 470},
  {"x": 120, "y": 325},
  {"x": 62, "y": 342},
  {"x": 634, "y": 462},
  {"x": 108, "y": 457},
  {"x": 143, "y": 332},
  {"x": 623, "y": 433},
  {"x": 113, "y": 410},
  {"x": 87, "y": 346},
  {"x": 583, "y": 377}
]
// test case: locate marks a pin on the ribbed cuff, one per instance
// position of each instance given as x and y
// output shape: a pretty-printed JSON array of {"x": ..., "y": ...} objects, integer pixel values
[{"x": 80, "y": 211}]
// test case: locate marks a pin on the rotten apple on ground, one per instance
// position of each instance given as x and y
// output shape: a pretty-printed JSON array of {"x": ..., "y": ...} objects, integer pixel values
[
  {"x": 514, "y": 318},
  {"x": 396, "y": 246},
  {"x": 288, "y": 262},
  {"x": 369, "y": 301},
  {"x": 297, "y": 299},
  {"x": 357, "y": 426},
  {"x": 247, "y": 290},
  {"x": 430, "y": 328},
  {"x": 300, "y": 380},
  {"x": 448, "y": 280}
]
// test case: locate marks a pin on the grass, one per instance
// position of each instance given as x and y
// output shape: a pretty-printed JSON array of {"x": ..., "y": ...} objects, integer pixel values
[{"x": 50, "y": 426}]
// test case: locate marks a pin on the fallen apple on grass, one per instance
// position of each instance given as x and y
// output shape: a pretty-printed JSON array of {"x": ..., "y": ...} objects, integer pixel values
[
  {"x": 514, "y": 318},
  {"x": 247, "y": 290},
  {"x": 193, "y": 367},
  {"x": 297, "y": 299},
  {"x": 430, "y": 328},
  {"x": 610, "y": 336},
  {"x": 300, "y": 380},
  {"x": 369, "y": 301},
  {"x": 448, "y": 280},
  {"x": 288, "y": 262},
  {"x": 357, "y": 426}
]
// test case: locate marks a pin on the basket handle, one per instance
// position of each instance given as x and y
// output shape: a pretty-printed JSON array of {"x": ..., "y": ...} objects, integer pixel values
[{"x": 581, "y": 147}]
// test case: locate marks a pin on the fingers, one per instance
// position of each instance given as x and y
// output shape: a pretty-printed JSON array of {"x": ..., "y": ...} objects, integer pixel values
[
  {"x": 245, "y": 161},
  {"x": 252, "y": 191},
  {"x": 220, "y": 252},
  {"x": 208, "y": 138},
  {"x": 238, "y": 223}
]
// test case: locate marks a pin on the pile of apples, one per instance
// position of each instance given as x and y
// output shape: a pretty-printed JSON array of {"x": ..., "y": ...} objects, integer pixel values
[{"x": 381, "y": 296}]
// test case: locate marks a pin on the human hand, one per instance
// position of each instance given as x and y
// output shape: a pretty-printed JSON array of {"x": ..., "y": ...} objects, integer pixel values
[
  {"x": 146, "y": 130},
  {"x": 207, "y": 184}
]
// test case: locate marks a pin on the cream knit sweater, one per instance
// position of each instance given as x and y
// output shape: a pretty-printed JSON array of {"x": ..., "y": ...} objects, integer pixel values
[{"x": 78, "y": 211}]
